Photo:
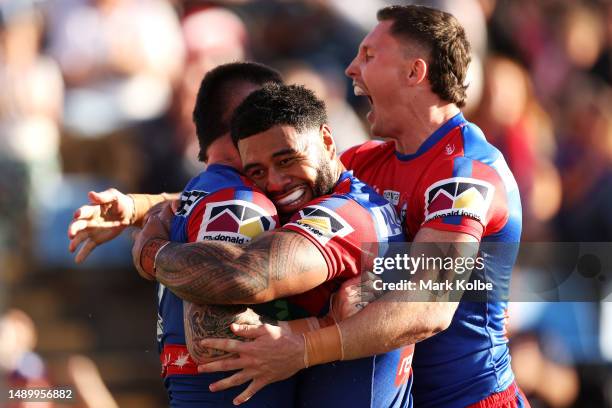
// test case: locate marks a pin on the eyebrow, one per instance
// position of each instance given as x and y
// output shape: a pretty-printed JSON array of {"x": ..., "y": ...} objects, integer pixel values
[
  {"x": 283, "y": 152},
  {"x": 275, "y": 154}
]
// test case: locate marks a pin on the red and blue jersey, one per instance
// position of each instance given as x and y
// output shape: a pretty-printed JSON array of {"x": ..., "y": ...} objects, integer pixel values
[
  {"x": 217, "y": 205},
  {"x": 350, "y": 227},
  {"x": 456, "y": 181},
  {"x": 221, "y": 205}
]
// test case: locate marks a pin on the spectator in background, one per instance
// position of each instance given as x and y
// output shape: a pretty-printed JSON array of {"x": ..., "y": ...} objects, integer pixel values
[
  {"x": 515, "y": 122},
  {"x": 119, "y": 59}
]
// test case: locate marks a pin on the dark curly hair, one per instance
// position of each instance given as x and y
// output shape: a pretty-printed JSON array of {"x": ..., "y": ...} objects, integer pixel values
[
  {"x": 275, "y": 104},
  {"x": 210, "y": 113},
  {"x": 444, "y": 38}
]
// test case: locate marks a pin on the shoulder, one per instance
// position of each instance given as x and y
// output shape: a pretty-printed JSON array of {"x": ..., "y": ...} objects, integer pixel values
[{"x": 359, "y": 154}]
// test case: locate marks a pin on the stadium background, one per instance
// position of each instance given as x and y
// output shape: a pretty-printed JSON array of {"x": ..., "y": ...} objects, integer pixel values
[{"x": 99, "y": 93}]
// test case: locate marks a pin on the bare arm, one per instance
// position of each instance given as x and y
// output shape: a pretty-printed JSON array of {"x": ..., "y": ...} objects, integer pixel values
[
  {"x": 213, "y": 321},
  {"x": 276, "y": 264},
  {"x": 398, "y": 319}
]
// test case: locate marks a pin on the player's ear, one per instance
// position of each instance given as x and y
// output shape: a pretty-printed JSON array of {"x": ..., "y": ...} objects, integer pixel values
[
  {"x": 417, "y": 71},
  {"x": 328, "y": 140}
]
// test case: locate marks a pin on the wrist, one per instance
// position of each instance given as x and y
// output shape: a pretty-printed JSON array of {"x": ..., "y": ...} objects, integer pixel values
[
  {"x": 323, "y": 346},
  {"x": 142, "y": 203},
  {"x": 148, "y": 255}
]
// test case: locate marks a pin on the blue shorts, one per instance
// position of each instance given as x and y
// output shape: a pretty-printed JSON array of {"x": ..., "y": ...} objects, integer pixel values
[
  {"x": 191, "y": 391},
  {"x": 382, "y": 381}
]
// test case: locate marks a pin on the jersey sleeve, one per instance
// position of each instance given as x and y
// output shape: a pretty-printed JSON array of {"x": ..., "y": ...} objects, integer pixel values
[
  {"x": 461, "y": 195},
  {"x": 234, "y": 215},
  {"x": 339, "y": 228}
]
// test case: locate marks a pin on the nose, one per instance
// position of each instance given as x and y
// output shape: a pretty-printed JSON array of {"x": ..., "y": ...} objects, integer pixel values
[
  {"x": 351, "y": 70},
  {"x": 277, "y": 181}
]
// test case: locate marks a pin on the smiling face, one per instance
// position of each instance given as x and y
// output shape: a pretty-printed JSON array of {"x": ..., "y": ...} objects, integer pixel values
[
  {"x": 380, "y": 71},
  {"x": 291, "y": 168}
]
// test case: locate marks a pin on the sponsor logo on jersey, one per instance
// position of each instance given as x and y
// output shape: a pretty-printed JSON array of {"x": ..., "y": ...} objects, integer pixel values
[
  {"x": 234, "y": 221},
  {"x": 322, "y": 223},
  {"x": 188, "y": 201},
  {"x": 387, "y": 220},
  {"x": 392, "y": 196},
  {"x": 404, "y": 367},
  {"x": 462, "y": 196}
]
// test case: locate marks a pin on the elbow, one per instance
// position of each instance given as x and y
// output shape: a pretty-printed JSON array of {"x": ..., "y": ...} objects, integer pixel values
[{"x": 439, "y": 319}]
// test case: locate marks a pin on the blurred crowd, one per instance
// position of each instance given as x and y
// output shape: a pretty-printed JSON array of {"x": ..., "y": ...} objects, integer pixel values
[{"x": 99, "y": 93}]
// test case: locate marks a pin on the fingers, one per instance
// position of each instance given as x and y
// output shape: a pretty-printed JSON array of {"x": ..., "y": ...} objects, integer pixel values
[
  {"x": 88, "y": 219},
  {"x": 247, "y": 394},
  {"x": 103, "y": 197},
  {"x": 229, "y": 345},
  {"x": 85, "y": 251},
  {"x": 77, "y": 240},
  {"x": 232, "y": 381},
  {"x": 228, "y": 364},
  {"x": 249, "y": 331},
  {"x": 86, "y": 212}
]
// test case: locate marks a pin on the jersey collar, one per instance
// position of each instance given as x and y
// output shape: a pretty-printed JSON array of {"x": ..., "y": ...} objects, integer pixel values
[
  {"x": 434, "y": 138},
  {"x": 219, "y": 166}
]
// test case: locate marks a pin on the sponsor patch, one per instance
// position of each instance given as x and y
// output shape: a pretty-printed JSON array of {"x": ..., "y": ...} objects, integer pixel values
[
  {"x": 392, "y": 196},
  {"x": 234, "y": 221},
  {"x": 387, "y": 218},
  {"x": 188, "y": 201},
  {"x": 322, "y": 223},
  {"x": 462, "y": 196}
]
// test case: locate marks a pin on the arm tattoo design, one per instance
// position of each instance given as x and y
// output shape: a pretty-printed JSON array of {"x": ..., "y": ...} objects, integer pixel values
[
  {"x": 213, "y": 321},
  {"x": 222, "y": 273}
]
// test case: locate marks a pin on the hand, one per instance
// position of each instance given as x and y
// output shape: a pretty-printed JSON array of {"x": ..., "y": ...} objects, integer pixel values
[
  {"x": 104, "y": 218},
  {"x": 353, "y": 296},
  {"x": 272, "y": 356},
  {"x": 153, "y": 229}
]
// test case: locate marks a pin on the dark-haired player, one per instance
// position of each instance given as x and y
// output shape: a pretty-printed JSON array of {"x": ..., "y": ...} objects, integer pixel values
[
  {"x": 218, "y": 204},
  {"x": 328, "y": 216}
]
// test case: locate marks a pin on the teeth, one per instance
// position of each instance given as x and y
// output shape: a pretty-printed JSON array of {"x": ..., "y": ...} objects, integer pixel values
[
  {"x": 359, "y": 91},
  {"x": 291, "y": 197}
]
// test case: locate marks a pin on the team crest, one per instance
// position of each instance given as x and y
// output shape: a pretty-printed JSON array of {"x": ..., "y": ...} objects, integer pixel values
[
  {"x": 234, "y": 221},
  {"x": 322, "y": 223},
  {"x": 460, "y": 196},
  {"x": 188, "y": 201}
]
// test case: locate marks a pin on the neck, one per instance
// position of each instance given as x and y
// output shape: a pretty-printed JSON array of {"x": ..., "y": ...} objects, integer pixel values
[
  {"x": 223, "y": 160},
  {"x": 337, "y": 168},
  {"x": 420, "y": 123},
  {"x": 222, "y": 151}
]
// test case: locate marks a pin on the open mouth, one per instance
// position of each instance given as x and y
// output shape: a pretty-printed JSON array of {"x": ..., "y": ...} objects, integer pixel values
[
  {"x": 293, "y": 198},
  {"x": 359, "y": 91}
]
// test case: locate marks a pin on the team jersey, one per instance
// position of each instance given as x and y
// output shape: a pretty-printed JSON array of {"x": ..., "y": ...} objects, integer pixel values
[
  {"x": 217, "y": 205},
  {"x": 456, "y": 181},
  {"x": 350, "y": 226}
]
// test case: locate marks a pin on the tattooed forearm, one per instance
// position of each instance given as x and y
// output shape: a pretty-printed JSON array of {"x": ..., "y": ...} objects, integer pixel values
[
  {"x": 213, "y": 321},
  {"x": 219, "y": 273}
]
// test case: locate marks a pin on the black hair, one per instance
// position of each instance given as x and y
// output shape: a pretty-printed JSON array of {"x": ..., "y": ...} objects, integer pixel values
[
  {"x": 277, "y": 104},
  {"x": 210, "y": 113}
]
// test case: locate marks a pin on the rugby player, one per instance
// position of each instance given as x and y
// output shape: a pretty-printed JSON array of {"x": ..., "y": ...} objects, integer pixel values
[
  {"x": 221, "y": 184},
  {"x": 451, "y": 186},
  {"x": 328, "y": 215}
]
